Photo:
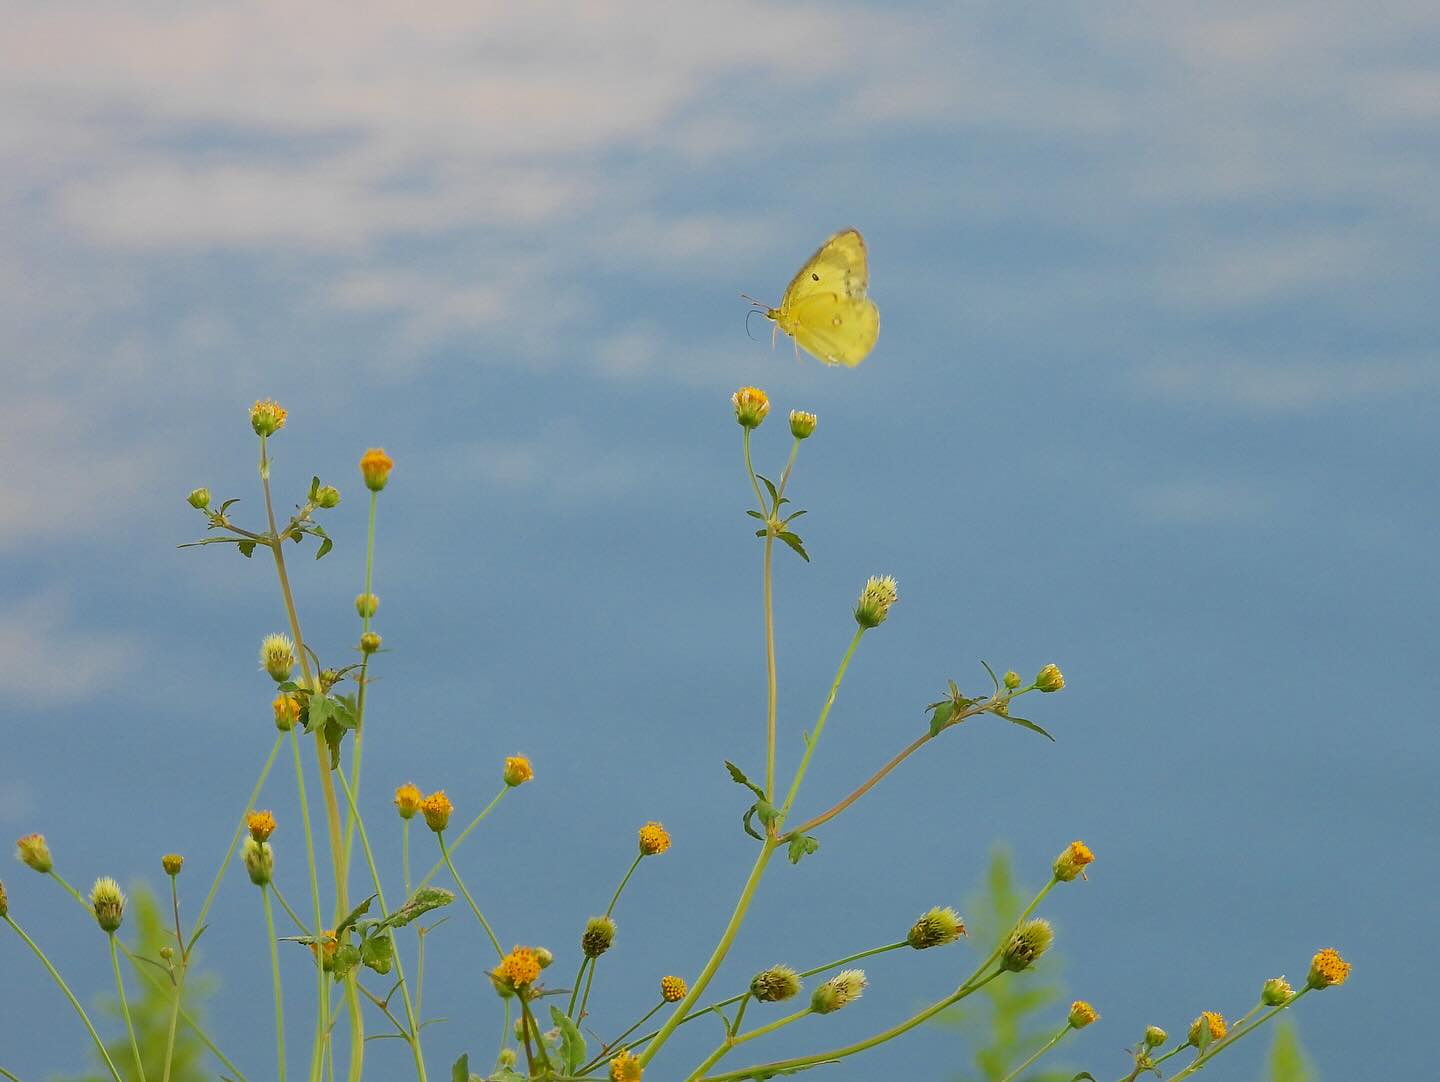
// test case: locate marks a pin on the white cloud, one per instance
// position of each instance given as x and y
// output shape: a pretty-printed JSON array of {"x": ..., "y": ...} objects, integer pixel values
[
  {"x": 1285, "y": 387},
  {"x": 50, "y": 662},
  {"x": 560, "y": 465}
]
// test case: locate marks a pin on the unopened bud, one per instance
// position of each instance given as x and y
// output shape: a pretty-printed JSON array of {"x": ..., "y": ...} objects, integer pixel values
[
  {"x": 199, "y": 498},
  {"x": 842, "y": 989},
  {"x": 599, "y": 934},
  {"x": 108, "y": 902},
  {"x": 775, "y": 984},
  {"x": 1027, "y": 943}
]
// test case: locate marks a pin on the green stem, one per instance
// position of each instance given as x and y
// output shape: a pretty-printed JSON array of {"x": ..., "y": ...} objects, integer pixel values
[
  {"x": 405, "y": 854},
  {"x": 620, "y": 1040},
  {"x": 633, "y": 865},
  {"x": 460, "y": 838},
  {"x": 814, "y": 737},
  {"x": 317, "y": 1054},
  {"x": 275, "y": 980},
  {"x": 285, "y": 905},
  {"x": 413, "y": 1038},
  {"x": 575, "y": 989},
  {"x": 362, "y": 682},
  {"x": 1000, "y": 946},
  {"x": 589, "y": 980},
  {"x": 1219, "y": 1046},
  {"x": 1051, "y": 1043},
  {"x": 75, "y": 1003},
  {"x": 730, "y": 1042},
  {"x": 445, "y": 856},
  {"x": 722, "y": 948},
  {"x": 179, "y": 984},
  {"x": 239, "y": 830},
  {"x": 531, "y": 1024},
  {"x": 125, "y": 1009}
]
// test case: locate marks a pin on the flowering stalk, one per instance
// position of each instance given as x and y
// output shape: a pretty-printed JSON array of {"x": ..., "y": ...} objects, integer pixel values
[
  {"x": 1051, "y": 1043},
  {"x": 445, "y": 856},
  {"x": 460, "y": 838},
  {"x": 275, "y": 976},
  {"x": 768, "y": 604},
  {"x": 317, "y": 1054},
  {"x": 75, "y": 1003},
  {"x": 362, "y": 682},
  {"x": 239, "y": 831},
  {"x": 732, "y": 1040},
  {"x": 1235, "y": 1034},
  {"x": 179, "y": 984},
  {"x": 125, "y": 1008}
]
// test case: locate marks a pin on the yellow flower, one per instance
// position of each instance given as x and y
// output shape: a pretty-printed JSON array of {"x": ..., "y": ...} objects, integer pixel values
[
  {"x": 375, "y": 467},
  {"x": 437, "y": 808},
  {"x": 369, "y": 642},
  {"x": 33, "y": 852},
  {"x": 267, "y": 417},
  {"x": 1327, "y": 968},
  {"x": 802, "y": 424},
  {"x": 330, "y": 945},
  {"x": 199, "y": 498},
  {"x": 260, "y": 824},
  {"x": 277, "y": 657},
  {"x": 1155, "y": 1036},
  {"x": 517, "y": 770},
  {"x": 408, "y": 799},
  {"x": 1216, "y": 1023},
  {"x": 1072, "y": 862},
  {"x": 875, "y": 601},
  {"x": 625, "y": 1068},
  {"x": 653, "y": 839},
  {"x": 108, "y": 902},
  {"x": 287, "y": 711},
  {"x": 751, "y": 405},
  {"x": 172, "y": 863},
  {"x": 1082, "y": 1014},
  {"x": 672, "y": 989},
  {"x": 1050, "y": 678},
  {"x": 520, "y": 967}
]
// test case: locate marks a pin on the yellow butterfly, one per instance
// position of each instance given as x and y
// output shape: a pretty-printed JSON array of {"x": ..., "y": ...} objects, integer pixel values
[{"x": 825, "y": 308}]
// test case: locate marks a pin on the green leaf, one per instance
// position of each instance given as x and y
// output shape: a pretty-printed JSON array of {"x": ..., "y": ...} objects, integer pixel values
[
  {"x": 247, "y": 548},
  {"x": 792, "y": 517},
  {"x": 993, "y": 678},
  {"x": 1025, "y": 723},
  {"x": 572, "y": 1044},
  {"x": 314, "y": 487},
  {"x": 421, "y": 902},
  {"x": 738, "y": 777},
  {"x": 756, "y": 514},
  {"x": 761, "y": 533},
  {"x": 227, "y": 505},
  {"x": 1287, "y": 1061},
  {"x": 794, "y": 542},
  {"x": 378, "y": 953},
  {"x": 941, "y": 717},
  {"x": 1083, "y": 1076},
  {"x": 774, "y": 495},
  {"x": 325, "y": 546},
  {"x": 750, "y": 830},
  {"x": 460, "y": 1071},
  {"x": 766, "y": 812},
  {"x": 802, "y": 845},
  {"x": 355, "y": 914},
  {"x": 344, "y": 962}
]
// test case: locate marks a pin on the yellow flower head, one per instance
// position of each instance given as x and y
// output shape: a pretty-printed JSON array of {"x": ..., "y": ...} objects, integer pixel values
[
  {"x": 437, "y": 808},
  {"x": 330, "y": 945},
  {"x": 267, "y": 417},
  {"x": 1082, "y": 1014},
  {"x": 751, "y": 405},
  {"x": 277, "y": 657},
  {"x": 875, "y": 601},
  {"x": 1072, "y": 862},
  {"x": 653, "y": 839},
  {"x": 199, "y": 498},
  {"x": 672, "y": 989},
  {"x": 517, "y": 770},
  {"x": 625, "y": 1068},
  {"x": 33, "y": 852},
  {"x": 370, "y": 642},
  {"x": 375, "y": 467},
  {"x": 519, "y": 967},
  {"x": 1214, "y": 1020},
  {"x": 287, "y": 711},
  {"x": 1327, "y": 968},
  {"x": 408, "y": 799},
  {"x": 172, "y": 863},
  {"x": 842, "y": 989},
  {"x": 1050, "y": 678},
  {"x": 108, "y": 902},
  {"x": 260, "y": 824},
  {"x": 802, "y": 424}
]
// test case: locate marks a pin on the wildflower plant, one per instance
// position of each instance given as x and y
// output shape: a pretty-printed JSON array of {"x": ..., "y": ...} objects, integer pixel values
[{"x": 364, "y": 942}]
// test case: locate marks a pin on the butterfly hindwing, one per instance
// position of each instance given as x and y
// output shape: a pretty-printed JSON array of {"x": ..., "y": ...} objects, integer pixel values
[{"x": 825, "y": 307}]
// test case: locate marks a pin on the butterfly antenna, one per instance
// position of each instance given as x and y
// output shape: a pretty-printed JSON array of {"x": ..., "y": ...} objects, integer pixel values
[
  {"x": 747, "y": 325},
  {"x": 758, "y": 304}
]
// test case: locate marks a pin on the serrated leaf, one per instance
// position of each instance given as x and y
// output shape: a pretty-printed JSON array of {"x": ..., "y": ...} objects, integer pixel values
[
  {"x": 802, "y": 845},
  {"x": 794, "y": 542},
  {"x": 572, "y": 1044},
  {"x": 355, "y": 914},
  {"x": 774, "y": 495},
  {"x": 344, "y": 962},
  {"x": 1025, "y": 723},
  {"x": 460, "y": 1069},
  {"x": 378, "y": 953},
  {"x": 738, "y": 777},
  {"x": 421, "y": 902},
  {"x": 247, "y": 548}
]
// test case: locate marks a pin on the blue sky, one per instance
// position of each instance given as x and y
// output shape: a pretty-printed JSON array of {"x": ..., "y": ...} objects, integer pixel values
[{"x": 1154, "y": 399}]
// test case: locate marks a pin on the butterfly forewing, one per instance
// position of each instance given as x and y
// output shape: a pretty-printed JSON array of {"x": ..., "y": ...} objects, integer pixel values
[{"x": 838, "y": 266}]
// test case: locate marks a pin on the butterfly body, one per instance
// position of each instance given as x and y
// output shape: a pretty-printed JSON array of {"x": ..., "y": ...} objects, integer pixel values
[{"x": 825, "y": 308}]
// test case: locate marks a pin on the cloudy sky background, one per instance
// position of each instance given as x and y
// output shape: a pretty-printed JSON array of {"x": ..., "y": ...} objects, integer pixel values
[{"x": 1154, "y": 398}]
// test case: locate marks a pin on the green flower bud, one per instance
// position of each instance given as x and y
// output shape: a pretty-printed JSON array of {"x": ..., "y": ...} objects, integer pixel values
[
  {"x": 802, "y": 424},
  {"x": 751, "y": 405},
  {"x": 875, "y": 601},
  {"x": 1155, "y": 1036},
  {"x": 1027, "y": 943},
  {"x": 277, "y": 657},
  {"x": 777, "y": 983},
  {"x": 108, "y": 902},
  {"x": 1275, "y": 991},
  {"x": 1012, "y": 679},
  {"x": 369, "y": 642},
  {"x": 327, "y": 496},
  {"x": 599, "y": 934},
  {"x": 259, "y": 860},
  {"x": 366, "y": 605},
  {"x": 843, "y": 988},
  {"x": 1050, "y": 678},
  {"x": 936, "y": 928},
  {"x": 199, "y": 498}
]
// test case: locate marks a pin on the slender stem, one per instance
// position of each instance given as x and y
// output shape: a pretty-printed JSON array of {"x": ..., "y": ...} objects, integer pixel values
[
  {"x": 1000, "y": 946},
  {"x": 530, "y": 1024},
  {"x": 405, "y": 854},
  {"x": 750, "y": 470},
  {"x": 70, "y": 890},
  {"x": 179, "y": 984},
  {"x": 362, "y": 681},
  {"x": 739, "y": 1015},
  {"x": 460, "y": 838},
  {"x": 317, "y": 1056},
  {"x": 633, "y": 865},
  {"x": 618, "y": 1041},
  {"x": 589, "y": 980},
  {"x": 445, "y": 855},
  {"x": 1204, "y": 1057},
  {"x": 1051, "y": 1043},
  {"x": 75, "y": 1003},
  {"x": 285, "y": 905},
  {"x": 722, "y": 948},
  {"x": 7, "y": 1074},
  {"x": 771, "y": 687},
  {"x": 125, "y": 1009},
  {"x": 504, "y": 1032},
  {"x": 575, "y": 988},
  {"x": 814, "y": 737},
  {"x": 875, "y": 779},
  {"x": 239, "y": 830},
  {"x": 413, "y": 1037},
  {"x": 275, "y": 975}
]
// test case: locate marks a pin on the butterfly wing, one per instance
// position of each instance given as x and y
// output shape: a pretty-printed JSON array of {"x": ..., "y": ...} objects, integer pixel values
[
  {"x": 836, "y": 329},
  {"x": 825, "y": 307}
]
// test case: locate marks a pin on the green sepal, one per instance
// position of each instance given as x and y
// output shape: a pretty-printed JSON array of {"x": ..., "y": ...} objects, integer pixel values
[
  {"x": 802, "y": 845},
  {"x": 756, "y": 514},
  {"x": 993, "y": 678},
  {"x": 572, "y": 1044},
  {"x": 377, "y": 952},
  {"x": 1083, "y": 1076}
]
